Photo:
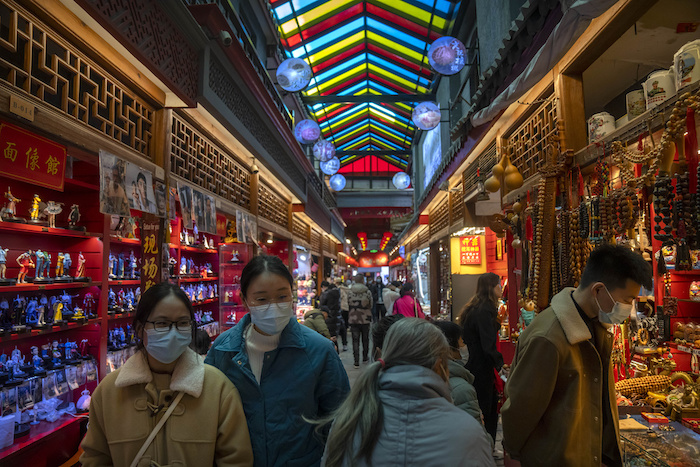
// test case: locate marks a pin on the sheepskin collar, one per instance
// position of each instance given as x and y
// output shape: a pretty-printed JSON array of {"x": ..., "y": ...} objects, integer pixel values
[
  {"x": 571, "y": 322},
  {"x": 188, "y": 375}
]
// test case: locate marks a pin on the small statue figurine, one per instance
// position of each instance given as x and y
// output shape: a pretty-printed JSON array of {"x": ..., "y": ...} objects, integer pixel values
[
  {"x": 120, "y": 266},
  {"x": 74, "y": 218},
  {"x": 191, "y": 268},
  {"x": 59, "y": 264},
  {"x": 37, "y": 362},
  {"x": 129, "y": 300},
  {"x": 25, "y": 262},
  {"x": 234, "y": 258},
  {"x": 39, "y": 264},
  {"x": 31, "y": 312},
  {"x": 17, "y": 315},
  {"x": 9, "y": 212},
  {"x": 137, "y": 295},
  {"x": 183, "y": 266},
  {"x": 57, "y": 312},
  {"x": 120, "y": 300},
  {"x": 51, "y": 210},
  {"x": 47, "y": 265},
  {"x": 111, "y": 301},
  {"x": 172, "y": 262},
  {"x": 5, "y": 318},
  {"x": 89, "y": 305},
  {"x": 112, "y": 263},
  {"x": 133, "y": 265},
  {"x": 34, "y": 210},
  {"x": 67, "y": 263},
  {"x": 43, "y": 304},
  {"x": 3, "y": 267},
  {"x": 80, "y": 272}
]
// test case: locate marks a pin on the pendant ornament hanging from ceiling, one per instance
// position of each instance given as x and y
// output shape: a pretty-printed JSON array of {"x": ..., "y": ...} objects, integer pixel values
[
  {"x": 324, "y": 150},
  {"x": 401, "y": 180},
  {"x": 294, "y": 74},
  {"x": 447, "y": 55},
  {"x": 330, "y": 166},
  {"x": 426, "y": 115},
  {"x": 337, "y": 182},
  {"x": 307, "y": 131}
]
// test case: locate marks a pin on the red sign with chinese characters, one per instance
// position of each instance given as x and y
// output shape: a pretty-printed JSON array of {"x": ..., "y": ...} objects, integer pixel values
[
  {"x": 151, "y": 254},
  {"x": 470, "y": 250},
  {"x": 31, "y": 158}
]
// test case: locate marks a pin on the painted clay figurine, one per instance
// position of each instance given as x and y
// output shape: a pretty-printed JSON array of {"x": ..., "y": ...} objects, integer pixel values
[
  {"x": 25, "y": 262},
  {"x": 34, "y": 210},
  {"x": 59, "y": 264},
  {"x": 80, "y": 272},
  {"x": 67, "y": 263},
  {"x": 51, "y": 210},
  {"x": 9, "y": 212},
  {"x": 74, "y": 218},
  {"x": 3, "y": 261}
]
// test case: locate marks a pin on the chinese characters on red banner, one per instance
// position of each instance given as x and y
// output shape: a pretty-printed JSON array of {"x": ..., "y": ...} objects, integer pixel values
[
  {"x": 151, "y": 252},
  {"x": 470, "y": 250},
  {"x": 31, "y": 158}
]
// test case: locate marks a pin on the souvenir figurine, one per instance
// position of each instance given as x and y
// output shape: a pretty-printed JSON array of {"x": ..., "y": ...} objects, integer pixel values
[
  {"x": 183, "y": 266},
  {"x": 112, "y": 266},
  {"x": 111, "y": 301},
  {"x": 43, "y": 304},
  {"x": 210, "y": 271},
  {"x": 137, "y": 295},
  {"x": 74, "y": 218},
  {"x": 67, "y": 263},
  {"x": 51, "y": 210},
  {"x": 15, "y": 363},
  {"x": 25, "y": 262},
  {"x": 5, "y": 320},
  {"x": 9, "y": 212},
  {"x": 56, "y": 355},
  {"x": 203, "y": 272},
  {"x": 37, "y": 362},
  {"x": 39, "y": 265},
  {"x": 195, "y": 232},
  {"x": 47, "y": 265},
  {"x": 234, "y": 258},
  {"x": 80, "y": 272},
  {"x": 31, "y": 312},
  {"x": 67, "y": 301},
  {"x": 89, "y": 305},
  {"x": 129, "y": 300},
  {"x": 133, "y": 265},
  {"x": 191, "y": 268},
  {"x": 120, "y": 300},
  {"x": 59, "y": 264},
  {"x": 216, "y": 290},
  {"x": 172, "y": 262},
  {"x": 78, "y": 314},
  {"x": 130, "y": 228},
  {"x": 120, "y": 266},
  {"x": 57, "y": 312},
  {"x": 35, "y": 209},
  {"x": 230, "y": 232},
  {"x": 3, "y": 267},
  {"x": 17, "y": 315},
  {"x": 84, "y": 346},
  {"x": 200, "y": 292}
]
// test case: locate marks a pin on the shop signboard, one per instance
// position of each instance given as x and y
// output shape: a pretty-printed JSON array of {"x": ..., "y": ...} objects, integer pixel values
[
  {"x": 470, "y": 250},
  {"x": 151, "y": 265},
  {"x": 31, "y": 158}
]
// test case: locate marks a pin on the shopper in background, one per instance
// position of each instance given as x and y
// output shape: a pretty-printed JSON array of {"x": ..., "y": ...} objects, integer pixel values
[
  {"x": 379, "y": 330},
  {"x": 480, "y": 333},
  {"x": 390, "y": 294},
  {"x": 374, "y": 290},
  {"x": 314, "y": 319},
  {"x": 283, "y": 370},
  {"x": 201, "y": 341},
  {"x": 330, "y": 300},
  {"x": 381, "y": 311},
  {"x": 344, "y": 290},
  {"x": 407, "y": 304},
  {"x": 166, "y": 381},
  {"x": 409, "y": 382},
  {"x": 561, "y": 407},
  {"x": 461, "y": 380},
  {"x": 360, "y": 315}
]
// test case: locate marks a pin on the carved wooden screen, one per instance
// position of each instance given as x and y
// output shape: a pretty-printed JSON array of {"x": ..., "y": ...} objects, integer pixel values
[
  {"x": 38, "y": 62},
  {"x": 272, "y": 206},
  {"x": 423, "y": 238},
  {"x": 439, "y": 217},
  {"x": 481, "y": 165},
  {"x": 197, "y": 159},
  {"x": 315, "y": 241},
  {"x": 457, "y": 204},
  {"x": 529, "y": 141},
  {"x": 300, "y": 229}
]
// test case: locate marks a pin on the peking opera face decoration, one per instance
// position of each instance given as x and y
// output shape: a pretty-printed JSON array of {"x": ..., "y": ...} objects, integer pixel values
[
  {"x": 293, "y": 74},
  {"x": 324, "y": 150},
  {"x": 447, "y": 55},
  {"x": 372, "y": 260},
  {"x": 426, "y": 115},
  {"x": 331, "y": 166},
  {"x": 307, "y": 132}
]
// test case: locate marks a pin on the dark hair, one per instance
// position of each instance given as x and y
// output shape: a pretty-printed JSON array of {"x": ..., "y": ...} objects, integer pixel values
[
  {"x": 332, "y": 286},
  {"x": 613, "y": 265},
  {"x": 396, "y": 284},
  {"x": 452, "y": 332},
  {"x": 359, "y": 279},
  {"x": 324, "y": 284},
  {"x": 141, "y": 176},
  {"x": 381, "y": 327},
  {"x": 201, "y": 341},
  {"x": 406, "y": 289},
  {"x": 484, "y": 295},
  {"x": 260, "y": 265},
  {"x": 151, "y": 297}
]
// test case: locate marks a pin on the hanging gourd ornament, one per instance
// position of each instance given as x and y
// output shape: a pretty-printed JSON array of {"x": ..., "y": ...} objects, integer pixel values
[
  {"x": 492, "y": 184},
  {"x": 516, "y": 243},
  {"x": 517, "y": 207},
  {"x": 513, "y": 179},
  {"x": 499, "y": 168}
]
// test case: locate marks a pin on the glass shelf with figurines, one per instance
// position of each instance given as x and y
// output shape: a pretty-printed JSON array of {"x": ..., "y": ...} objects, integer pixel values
[
  {"x": 27, "y": 229},
  {"x": 116, "y": 282},
  {"x": 123, "y": 300},
  {"x": 128, "y": 241},
  {"x": 123, "y": 265},
  {"x": 201, "y": 293},
  {"x": 233, "y": 257}
]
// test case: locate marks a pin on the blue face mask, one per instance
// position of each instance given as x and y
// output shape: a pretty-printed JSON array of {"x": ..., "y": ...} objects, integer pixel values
[
  {"x": 166, "y": 347},
  {"x": 271, "y": 318}
]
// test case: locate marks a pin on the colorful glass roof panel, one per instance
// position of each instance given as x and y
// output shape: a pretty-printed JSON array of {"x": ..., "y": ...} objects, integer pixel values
[{"x": 365, "y": 47}]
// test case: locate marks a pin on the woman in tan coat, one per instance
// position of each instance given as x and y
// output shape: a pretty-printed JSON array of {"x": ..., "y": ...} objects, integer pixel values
[{"x": 205, "y": 423}]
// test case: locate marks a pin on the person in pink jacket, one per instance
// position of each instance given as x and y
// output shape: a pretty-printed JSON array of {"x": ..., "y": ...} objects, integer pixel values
[{"x": 407, "y": 305}]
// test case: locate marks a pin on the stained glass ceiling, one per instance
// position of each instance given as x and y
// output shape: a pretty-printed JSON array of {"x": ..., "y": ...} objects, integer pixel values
[{"x": 365, "y": 48}]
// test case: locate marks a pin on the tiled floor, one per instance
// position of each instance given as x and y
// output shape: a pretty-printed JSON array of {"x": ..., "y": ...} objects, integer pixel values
[{"x": 347, "y": 359}]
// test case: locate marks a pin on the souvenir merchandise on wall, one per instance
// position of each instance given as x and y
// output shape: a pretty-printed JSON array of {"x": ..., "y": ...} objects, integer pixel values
[
  {"x": 232, "y": 258},
  {"x": 420, "y": 277}
]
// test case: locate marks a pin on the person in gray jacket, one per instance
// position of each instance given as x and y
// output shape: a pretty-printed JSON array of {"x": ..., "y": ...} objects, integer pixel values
[{"x": 408, "y": 383}]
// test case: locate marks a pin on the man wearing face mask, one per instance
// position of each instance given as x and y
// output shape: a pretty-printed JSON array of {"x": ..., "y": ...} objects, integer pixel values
[{"x": 560, "y": 407}]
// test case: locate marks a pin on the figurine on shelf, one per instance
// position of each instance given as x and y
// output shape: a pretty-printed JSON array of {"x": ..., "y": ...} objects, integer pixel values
[
  {"x": 17, "y": 315},
  {"x": 120, "y": 300},
  {"x": 172, "y": 262},
  {"x": 89, "y": 305},
  {"x": 183, "y": 266},
  {"x": 46, "y": 273},
  {"x": 15, "y": 363},
  {"x": 74, "y": 218},
  {"x": 59, "y": 264},
  {"x": 37, "y": 362},
  {"x": 31, "y": 312},
  {"x": 120, "y": 266},
  {"x": 67, "y": 263},
  {"x": 78, "y": 314},
  {"x": 9, "y": 212},
  {"x": 43, "y": 304},
  {"x": 56, "y": 354},
  {"x": 3, "y": 267},
  {"x": 191, "y": 268},
  {"x": 5, "y": 320},
  {"x": 35, "y": 209},
  {"x": 129, "y": 300},
  {"x": 200, "y": 292},
  {"x": 80, "y": 272},
  {"x": 216, "y": 290},
  {"x": 67, "y": 301},
  {"x": 133, "y": 265},
  {"x": 137, "y": 295},
  {"x": 210, "y": 291},
  {"x": 112, "y": 266},
  {"x": 84, "y": 347},
  {"x": 57, "y": 312},
  {"x": 39, "y": 265},
  {"x": 203, "y": 272},
  {"x": 111, "y": 301},
  {"x": 51, "y": 210},
  {"x": 25, "y": 262},
  {"x": 234, "y": 258}
]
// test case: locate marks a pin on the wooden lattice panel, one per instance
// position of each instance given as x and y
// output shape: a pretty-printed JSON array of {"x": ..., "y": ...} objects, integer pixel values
[
  {"x": 529, "y": 141},
  {"x": 457, "y": 204},
  {"x": 481, "y": 165},
  {"x": 38, "y": 62},
  {"x": 423, "y": 238},
  {"x": 300, "y": 229},
  {"x": 197, "y": 159},
  {"x": 315, "y": 241},
  {"x": 272, "y": 206},
  {"x": 439, "y": 217}
]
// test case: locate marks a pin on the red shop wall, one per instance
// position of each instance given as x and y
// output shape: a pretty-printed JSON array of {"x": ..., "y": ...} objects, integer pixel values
[{"x": 493, "y": 264}]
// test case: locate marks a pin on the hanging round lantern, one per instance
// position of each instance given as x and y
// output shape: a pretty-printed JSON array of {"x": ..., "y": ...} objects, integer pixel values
[
  {"x": 307, "y": 131},
  {"x": 324, "y": 150},
  {"x": 330, "y": 166},
  {"x": 401, "y": 180},
  {"x": 447, "y": 55},
  {"x": 337, "y": 182},
  {"x": 426, "y": 115},
  {"x": 293, "y": 74}
]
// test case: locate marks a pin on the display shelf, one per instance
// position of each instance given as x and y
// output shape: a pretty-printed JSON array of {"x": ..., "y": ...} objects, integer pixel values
[
  {"x": 81, "y": 184},
  {"x": 130, "y": 241},
  {"x": 115, "y": 316},
  {"x": 55, "y": 286},
  {"x": 198, "y": 279},
  {"x": 173, "y": 246},
  {"x": 205, "y": 302},
  {"x": 15, "y": 336},
  {"x": 694, "y": 272},
  {"x": 124, "y": 282},
  {"x": 18, "y": 228},
  {"x": 687, "y": 300},
  {"x": 195, "y": 249},
  {"x": 684, "y": 348},
  {"x": 38, "y": 432}
]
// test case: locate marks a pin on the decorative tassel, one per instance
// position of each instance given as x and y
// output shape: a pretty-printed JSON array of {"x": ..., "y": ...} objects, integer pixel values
[
  {"x": 581, "y": 185},
  {"x": 529, "y": 231},
  {"x": 640, "y": 143}
]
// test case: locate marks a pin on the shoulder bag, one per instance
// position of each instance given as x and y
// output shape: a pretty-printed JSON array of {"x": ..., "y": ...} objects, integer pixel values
[{"x": 157, "y": 428}]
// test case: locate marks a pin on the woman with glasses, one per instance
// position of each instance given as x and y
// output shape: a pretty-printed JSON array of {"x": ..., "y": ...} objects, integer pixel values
[
  {"x": 286, "y": 373},
  {"x": 164, "y": 406}
]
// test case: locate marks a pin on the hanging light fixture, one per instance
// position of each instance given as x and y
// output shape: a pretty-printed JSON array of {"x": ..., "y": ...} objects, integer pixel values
[
  {"x": 337, "y": 182},
  {"x": 426, "y": 115},
  {"x": 447, "y": 55},
  {"x": 307, "y": 131},
  {"x": 324, "y": 150},
  {"x": 401, "y": 180},
  {"x": 330, "y": 166},
  {"x": 294, "y": 74}
]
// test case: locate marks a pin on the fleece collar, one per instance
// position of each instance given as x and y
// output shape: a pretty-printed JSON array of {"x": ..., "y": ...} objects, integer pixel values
[
  {"x": 233, "y": 339},
  {"x": 188, "y": 375},
  {"x": 571, "y": 322}
]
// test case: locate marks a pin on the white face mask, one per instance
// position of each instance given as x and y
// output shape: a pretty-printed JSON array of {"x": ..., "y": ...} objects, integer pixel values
[
  {"x": 619, "y": 313},
  {"x": 166, "y": 347},
  {"x": 271, "y": 318}
]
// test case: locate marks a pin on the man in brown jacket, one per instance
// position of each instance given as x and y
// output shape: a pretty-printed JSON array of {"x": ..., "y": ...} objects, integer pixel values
[
  {"x": 561, "y": 408},
  {"x": 359, "y": 318}
]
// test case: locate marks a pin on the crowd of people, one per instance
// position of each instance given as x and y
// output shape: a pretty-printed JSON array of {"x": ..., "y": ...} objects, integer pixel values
[{"x": 273, "y": 392}]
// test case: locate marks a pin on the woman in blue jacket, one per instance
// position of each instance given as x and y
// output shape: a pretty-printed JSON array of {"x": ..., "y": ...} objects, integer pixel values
[{"x": 286, "y": 373}]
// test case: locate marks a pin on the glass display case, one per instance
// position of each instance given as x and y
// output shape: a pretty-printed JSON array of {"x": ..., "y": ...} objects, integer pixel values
[
  {"x": 658, "y": 447},
  {"x": 232, "y": 258}
]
